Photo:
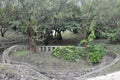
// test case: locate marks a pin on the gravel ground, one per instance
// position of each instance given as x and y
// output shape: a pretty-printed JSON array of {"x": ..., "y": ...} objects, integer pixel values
[
  {"x": 111, "y": 76},
  {"x": 20, "y": 72}
]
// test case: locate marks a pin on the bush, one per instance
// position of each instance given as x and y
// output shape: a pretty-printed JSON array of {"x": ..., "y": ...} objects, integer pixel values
[
  {"x": 70, "y": 53},
  {"x": 114, "y": 37},
  {"x": 95, "y": 57},
  {"x": 96, "y": 52}
]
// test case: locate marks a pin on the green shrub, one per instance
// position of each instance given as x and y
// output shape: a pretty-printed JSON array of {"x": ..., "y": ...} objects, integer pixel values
[
  {"x": 95, "y": 57},
  {"x": 96, "y": 52},
  {"x": 101, "y": 31},
  {"x": 70, "y": 53},
  {"x": 84, "y": 42},
  {"x": 112, "y": 37}
]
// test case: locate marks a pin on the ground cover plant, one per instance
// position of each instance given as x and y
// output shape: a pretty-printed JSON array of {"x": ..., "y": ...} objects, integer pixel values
[{"x": 70, "y": 53}]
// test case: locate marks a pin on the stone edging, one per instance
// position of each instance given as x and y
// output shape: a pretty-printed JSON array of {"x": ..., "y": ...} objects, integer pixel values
[
  {"x": 82, "y": 74},
  {"x": 117, "y": 58},
  {"x": 7, "y": 61}
]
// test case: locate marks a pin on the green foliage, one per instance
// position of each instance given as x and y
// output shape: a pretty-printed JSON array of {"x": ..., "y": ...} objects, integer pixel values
[
  {"x": 92, "y": 36},
  {"x": 71, "y": 25},
  {"x": 89, "y": 41},
  {"x": 84, "y": 42},
  {"x": 112, "y": 36},
  {"x": 96, "y": 52},
  {"x": 95, "y": 57},
  {"x": 70, "y": 53},
  {"x": 23, "y": 28}
]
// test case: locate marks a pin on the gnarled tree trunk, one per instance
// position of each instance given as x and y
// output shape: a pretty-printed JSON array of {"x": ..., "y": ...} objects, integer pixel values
[{"x": 32, "y": 43}]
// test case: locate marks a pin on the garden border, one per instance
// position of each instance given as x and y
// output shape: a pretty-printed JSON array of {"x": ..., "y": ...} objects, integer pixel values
[
  {"x": 6, "y": 61},
  {"x": 82, "y": 74}
]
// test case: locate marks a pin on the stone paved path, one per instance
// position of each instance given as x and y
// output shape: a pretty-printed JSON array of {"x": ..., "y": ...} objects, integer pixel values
[{"x": 111, "y": 76}]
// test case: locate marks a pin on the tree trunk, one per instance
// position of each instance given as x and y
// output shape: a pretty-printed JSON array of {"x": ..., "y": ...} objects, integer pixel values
[
  {"x": 2, "y": 34},
  {"x": 32, "y": 43}
]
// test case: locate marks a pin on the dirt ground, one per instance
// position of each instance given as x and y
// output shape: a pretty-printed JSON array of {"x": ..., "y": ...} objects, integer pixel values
[{"x": 45, "y": 61}]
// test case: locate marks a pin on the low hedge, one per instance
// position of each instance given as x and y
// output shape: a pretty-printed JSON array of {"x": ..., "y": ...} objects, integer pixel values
[
  {"x": 94, "y": 53},
  {"x": 70, "y": 53}
]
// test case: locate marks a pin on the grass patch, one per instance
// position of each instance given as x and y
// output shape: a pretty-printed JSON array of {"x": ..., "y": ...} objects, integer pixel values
[{"x": 20, "y": 53}]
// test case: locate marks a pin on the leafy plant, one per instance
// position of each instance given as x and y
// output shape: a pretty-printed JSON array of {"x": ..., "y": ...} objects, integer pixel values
[
  {"x": 95, "y": 57},
  {"x": 70, "y": 53},
  {"x": 84, "y": 42},
  {"x": 96, "y": 52},
  {"x": 112, "y": 36}
]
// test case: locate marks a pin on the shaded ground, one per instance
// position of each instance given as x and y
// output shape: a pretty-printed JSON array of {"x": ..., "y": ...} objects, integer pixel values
[
  {"x": 10, "y": 36},
  {"x": 69, "y": 38}
]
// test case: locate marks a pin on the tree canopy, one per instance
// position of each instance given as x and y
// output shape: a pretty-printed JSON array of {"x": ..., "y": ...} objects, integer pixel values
[{"x": 43, "y": 16}]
